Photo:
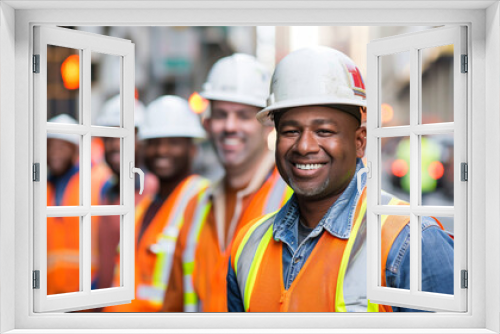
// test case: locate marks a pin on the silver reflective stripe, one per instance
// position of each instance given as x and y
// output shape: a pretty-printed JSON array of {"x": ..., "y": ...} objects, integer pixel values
[
  {"x": 171, "y": 232},
  {"x": 189, "y": 252},
  {"x": 385, "y": 198},
  {"x": 150, "y": 293},
  {"x": 275, "y": 196},
  {"x": 244, "y": 262}
]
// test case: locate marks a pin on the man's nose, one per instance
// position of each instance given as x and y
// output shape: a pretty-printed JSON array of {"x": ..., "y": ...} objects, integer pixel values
[
  {"x": 231, "y": 123},
  {"x": 307, "y": 143}
]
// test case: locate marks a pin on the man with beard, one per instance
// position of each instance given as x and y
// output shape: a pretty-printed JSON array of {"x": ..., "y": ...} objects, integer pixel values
[
  {"x": 236, "y": 88},
  {"x": 168, "y": 132},
  {"x": 310, "y": 256}
]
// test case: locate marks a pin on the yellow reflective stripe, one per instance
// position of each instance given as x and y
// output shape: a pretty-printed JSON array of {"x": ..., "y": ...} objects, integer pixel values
[
  {"x": 188, "y": 267},
  {"x": 372, "y": 307},
  {"x": 190, "y": 298},
  {"x": 288, "y": 194},
  {"x": 255, "y": 265},
  {"x": 339, "y": 295},
  {"x": 247, "y": 236}
]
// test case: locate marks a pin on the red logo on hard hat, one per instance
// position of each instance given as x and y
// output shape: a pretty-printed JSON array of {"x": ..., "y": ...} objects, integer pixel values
[{"x": 356, "y": 80}]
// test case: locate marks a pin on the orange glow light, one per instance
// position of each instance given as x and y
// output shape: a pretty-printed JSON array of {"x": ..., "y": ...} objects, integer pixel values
[
  {"x": 70, "y": 72},
  {"x": 436, "y": 170},
  {"x": 197, "y": 103},
  {"x": 399, "y": 168},
  {"x": 387, "y": 113}
]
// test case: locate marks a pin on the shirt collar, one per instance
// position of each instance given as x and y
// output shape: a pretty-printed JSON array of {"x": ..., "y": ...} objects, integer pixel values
[{"x": 337, "y": 221}]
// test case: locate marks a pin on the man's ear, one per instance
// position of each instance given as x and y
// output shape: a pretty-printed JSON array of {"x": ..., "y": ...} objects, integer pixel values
[
  {"x": 360, "y": 141},
  {"x": 206, "y": 123}
]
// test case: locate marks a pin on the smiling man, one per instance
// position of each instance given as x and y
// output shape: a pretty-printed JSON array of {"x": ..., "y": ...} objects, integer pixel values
[
  {"x": 168, "y": 132},
  {"x": 310, "y": 256},
  {"x": 236, "y": 88}
]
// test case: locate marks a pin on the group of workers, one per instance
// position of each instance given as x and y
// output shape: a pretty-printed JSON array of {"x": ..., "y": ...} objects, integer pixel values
[{"x": 279, "y": 232}]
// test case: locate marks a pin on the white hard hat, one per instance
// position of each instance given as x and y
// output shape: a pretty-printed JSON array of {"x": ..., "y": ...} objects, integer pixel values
[
  {"x": 110, "y": 113},
  {"x": 314, "y": 76},
  {"x": 170, "y": 116},
  {"x": 238, "y": 78},
  {"x": 64, "y": 119}
]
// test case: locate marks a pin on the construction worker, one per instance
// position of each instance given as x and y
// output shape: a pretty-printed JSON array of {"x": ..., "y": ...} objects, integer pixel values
[
  {"x": 63, "y": 189},
  {"x": 310, "y": 256},
  {"x": 168, "y": 132},
  {"x": 236, "y": 88},
  {"x": 107, "y": 228}
]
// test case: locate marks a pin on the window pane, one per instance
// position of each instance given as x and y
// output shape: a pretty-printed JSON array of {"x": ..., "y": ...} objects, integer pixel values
[
  {"x": 106, "y": 77},
  {"x": 63, "y": 83},
  {"x": 392, "y": 265},
  {"x": 63, "y": 255},
  {"x": 105, "y": 251},
  {"x": 395, "y": 178},
  {"x": 105, "y": 174},
  {"x": 437, "y": 171},
  {"x": 395, "y": 89},
  {"x": 437, "y": 84},
  {"x": 63, "y": 169},
  {"x": 442, "y": 258}
]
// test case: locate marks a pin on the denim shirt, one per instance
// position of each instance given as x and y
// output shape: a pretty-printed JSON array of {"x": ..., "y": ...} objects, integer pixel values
[{"x": 437, "y": 247}]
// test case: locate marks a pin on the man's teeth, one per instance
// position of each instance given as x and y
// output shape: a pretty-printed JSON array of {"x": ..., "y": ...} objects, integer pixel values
[
  {"x": 231, "y": 141},
  {"x": 308, "y": 166}
]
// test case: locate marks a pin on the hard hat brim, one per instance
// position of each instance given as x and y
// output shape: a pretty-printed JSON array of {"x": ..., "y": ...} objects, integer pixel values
[
  {"x": 182, "y": 133},
  {"x": 233, "y": 98},
  {"x": 264, "y": 116}
]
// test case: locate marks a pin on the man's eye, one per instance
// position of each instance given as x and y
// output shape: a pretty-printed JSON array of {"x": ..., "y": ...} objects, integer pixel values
[
  {"x": 218, "y": 116},
  {"x": 289, "y": 132},
  {"x": 325, "y": 132}
]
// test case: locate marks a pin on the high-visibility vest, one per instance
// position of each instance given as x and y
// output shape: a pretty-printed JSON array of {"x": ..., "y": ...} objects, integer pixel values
[
  {"x": 321, "y": 284},
  {"x": 155, "y": 249},
  {"x": 63, "y": 240},
  {"x": 204, "y": 264}
]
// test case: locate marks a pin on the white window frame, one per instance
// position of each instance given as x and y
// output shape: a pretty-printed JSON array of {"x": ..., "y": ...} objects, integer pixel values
[
  {"x": 85, "y": 43},
  {"x": 16, "y": 21}
]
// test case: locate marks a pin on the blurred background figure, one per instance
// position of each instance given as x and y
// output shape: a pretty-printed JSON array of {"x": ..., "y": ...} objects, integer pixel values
[
  {"x": 237, "y": 88},
  {"x": 106, "y": 229},
  {"x": 63, "y": 236},
  {"x": 168, "y": 134}
]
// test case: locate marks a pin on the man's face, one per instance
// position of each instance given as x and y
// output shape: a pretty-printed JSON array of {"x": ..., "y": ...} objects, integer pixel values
[
  {"x": 316, "y": 150},
  {"x": 236, "y": 134},
  {"x": 61, "y": 155},
  {"x": 112, "y": 153},
  {"x": 169, "y": 158}
]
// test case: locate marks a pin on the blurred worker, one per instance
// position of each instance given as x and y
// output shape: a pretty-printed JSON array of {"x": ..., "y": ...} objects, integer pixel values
[
  {"x": 310, "y": 256},
  {"x": 236, "y": 88},
  {"x": 169, "y": 131},
  {"x": 108, "y": 227},
  {"x": 63, "y": 189}
]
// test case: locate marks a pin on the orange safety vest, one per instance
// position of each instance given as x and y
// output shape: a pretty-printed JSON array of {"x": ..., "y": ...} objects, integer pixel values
[
  {"x": 63, "y": 237},
  {"x": 63, "y": 240},
  {"x": 155, "y": 249},
  {"x": 205, "y": 265},
  {"x": 319, "y": 287}
]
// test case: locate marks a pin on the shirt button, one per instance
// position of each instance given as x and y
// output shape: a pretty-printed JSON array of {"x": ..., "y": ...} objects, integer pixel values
[{"x": 296, "y": 260}]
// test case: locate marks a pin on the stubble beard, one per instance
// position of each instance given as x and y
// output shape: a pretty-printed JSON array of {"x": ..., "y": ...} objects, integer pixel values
[{"x": 310, "y": 193}]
